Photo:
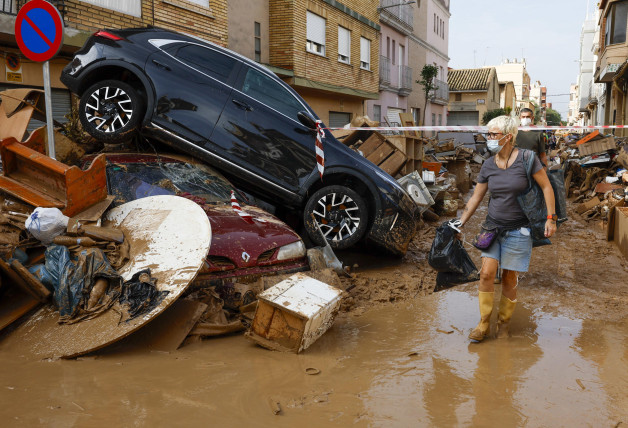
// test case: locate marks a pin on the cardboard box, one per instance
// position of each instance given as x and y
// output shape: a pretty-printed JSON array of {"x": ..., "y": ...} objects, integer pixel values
[
  {"x": 597, "y": 146},
  {"x": 293, "y": 314},
  {"x": 621, "y": 229}
]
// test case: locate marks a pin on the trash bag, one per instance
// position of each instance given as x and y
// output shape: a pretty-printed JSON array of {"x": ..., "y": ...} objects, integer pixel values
[
  {"x": 557, "y": 180},
  {"x": 532, "y": 202},
  {"x": 140, "y": 295},
  {"x": 73, "y": 279},
  {"x": 46, "y": 223},
  {"x": 450, "y": 259}
]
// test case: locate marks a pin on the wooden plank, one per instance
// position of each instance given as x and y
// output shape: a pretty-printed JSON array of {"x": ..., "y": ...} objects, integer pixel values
[
  {"x": 621, "y": 230},
  {"x": 30, "y": 196},
  {"x": 16, "y": 280},
  {"x": 14, "y": 304},
  {"x": 393, "y": 164},
  {"x": 381, "y": 153},
  {"x": 371, "y": 144},
  {"x": 588, "y": 137},
  {"x": 610, "y": 228},
  {"x": 408, "y": 120}
]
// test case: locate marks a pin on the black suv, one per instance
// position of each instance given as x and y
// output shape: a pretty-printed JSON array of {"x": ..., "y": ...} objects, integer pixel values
[{"x": 238, "y": 116}]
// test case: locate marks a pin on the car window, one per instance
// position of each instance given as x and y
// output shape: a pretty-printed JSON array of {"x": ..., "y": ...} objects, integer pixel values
[
  {"x": 130, "y": 181},
  {"x": 207, "y": 60},
  {"x": 267, "y": 91}
]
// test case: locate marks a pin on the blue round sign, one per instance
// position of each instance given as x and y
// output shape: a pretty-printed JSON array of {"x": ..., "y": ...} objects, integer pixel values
[{"x": 39, "y": 30}]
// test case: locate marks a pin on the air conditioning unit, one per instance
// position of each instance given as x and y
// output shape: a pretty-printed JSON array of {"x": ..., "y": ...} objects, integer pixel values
[{"x": 415, "y": 187}]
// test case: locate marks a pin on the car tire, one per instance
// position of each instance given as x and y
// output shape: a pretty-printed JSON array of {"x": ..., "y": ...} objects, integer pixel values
[
  {"x": 341, "y": 213},
  {"x": 110, "y": 111}
]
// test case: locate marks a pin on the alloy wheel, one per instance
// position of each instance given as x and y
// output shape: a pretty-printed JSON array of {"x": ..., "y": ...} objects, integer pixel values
[
  {"x": 338, "y": 216},
  {"x": 109, "y": 109}
]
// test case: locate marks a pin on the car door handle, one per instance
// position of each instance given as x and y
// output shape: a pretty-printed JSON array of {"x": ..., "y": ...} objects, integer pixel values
[
  {"x": 243, "y": 106},
  {"x": 161, "y": 65}
]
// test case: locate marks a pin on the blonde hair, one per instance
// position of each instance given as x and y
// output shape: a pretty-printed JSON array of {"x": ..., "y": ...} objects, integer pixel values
[{"x": 506, "y": 125}]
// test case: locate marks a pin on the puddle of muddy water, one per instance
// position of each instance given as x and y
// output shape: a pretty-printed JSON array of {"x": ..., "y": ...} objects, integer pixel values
[{"x": 404, "y": 365}]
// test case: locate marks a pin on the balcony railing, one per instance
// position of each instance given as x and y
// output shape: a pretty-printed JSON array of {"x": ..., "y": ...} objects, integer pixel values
[
  {"x": 9, "y": 7},
  {"x": 384, "y": 70},
  {"x": 405, "y": 81},
  {"x": 402, "y": 13},
  {"x": 442, "y": 93}
]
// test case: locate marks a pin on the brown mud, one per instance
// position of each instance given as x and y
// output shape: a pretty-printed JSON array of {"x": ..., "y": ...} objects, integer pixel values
[{"x": 397, "y": 356}]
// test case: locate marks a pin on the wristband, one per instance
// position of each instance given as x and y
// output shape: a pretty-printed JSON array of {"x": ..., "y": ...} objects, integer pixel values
[{"x": 553, "y": 217}]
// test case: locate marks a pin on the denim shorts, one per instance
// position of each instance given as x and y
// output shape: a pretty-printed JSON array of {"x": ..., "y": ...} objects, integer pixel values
[{"x": 512, "y": 250}]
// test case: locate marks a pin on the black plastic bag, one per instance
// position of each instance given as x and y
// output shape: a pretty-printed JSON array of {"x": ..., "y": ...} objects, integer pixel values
[
  {"x": 532, "y": 202},
  {"x": 450, "y": 259}
]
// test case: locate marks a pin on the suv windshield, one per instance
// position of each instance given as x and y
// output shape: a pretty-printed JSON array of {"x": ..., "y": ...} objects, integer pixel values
[{"x": 130, "y": 181}]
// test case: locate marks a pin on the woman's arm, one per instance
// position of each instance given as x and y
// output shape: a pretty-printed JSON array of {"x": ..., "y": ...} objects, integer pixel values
[
  {"x": 474, "y": 202},
  {"x": 541, "y": 178}
]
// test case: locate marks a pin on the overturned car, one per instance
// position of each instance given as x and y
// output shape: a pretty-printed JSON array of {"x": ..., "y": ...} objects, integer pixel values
[{"x": 239, "y": 117}]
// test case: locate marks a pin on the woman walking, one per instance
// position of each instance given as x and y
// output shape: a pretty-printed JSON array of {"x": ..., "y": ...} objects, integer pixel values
[{"x": 504, "y": 176}]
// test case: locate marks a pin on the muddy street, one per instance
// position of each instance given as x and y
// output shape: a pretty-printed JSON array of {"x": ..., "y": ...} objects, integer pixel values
[{"x": 397, "y": 356}]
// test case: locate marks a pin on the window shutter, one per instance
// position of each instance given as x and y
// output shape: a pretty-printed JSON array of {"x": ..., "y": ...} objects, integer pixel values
[
  {"x": 344, "y": 42},
  {"x": 129, "y": 7},
  {"x": 315, "y": 28},
  {"x": 365, "y": 50}
]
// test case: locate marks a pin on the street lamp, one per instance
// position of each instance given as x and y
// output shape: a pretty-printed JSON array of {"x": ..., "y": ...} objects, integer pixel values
[{"x": 380, "y": 8}]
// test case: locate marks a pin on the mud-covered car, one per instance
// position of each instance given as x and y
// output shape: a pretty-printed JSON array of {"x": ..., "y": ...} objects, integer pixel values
[
  {"x": 242, "y": 249},
  {"x": 239, "y": 117}
]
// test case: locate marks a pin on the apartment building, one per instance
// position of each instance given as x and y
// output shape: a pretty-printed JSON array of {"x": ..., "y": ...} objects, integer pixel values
[
  {"x": 429, "y": 44},
  {"x": 203, "y": 18},
  {"x": 612, "y": 61},
  {"x": 328, "y": 51},
  {"x": 395, "y": 75},
  {"x": 514, "y": 70}
]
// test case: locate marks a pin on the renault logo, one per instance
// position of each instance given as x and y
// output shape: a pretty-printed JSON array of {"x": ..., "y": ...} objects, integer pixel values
[{"x": 246, "y": 257}]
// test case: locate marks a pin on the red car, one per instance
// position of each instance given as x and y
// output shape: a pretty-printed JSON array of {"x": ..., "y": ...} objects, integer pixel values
[{"x": 242, "y": 247}]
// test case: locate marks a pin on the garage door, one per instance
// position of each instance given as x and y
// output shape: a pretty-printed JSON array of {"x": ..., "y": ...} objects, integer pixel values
[
  {"x": 463, "y": 118},
  {"x": 338, "y": 119},
  {"x": 61, "y": 105}
]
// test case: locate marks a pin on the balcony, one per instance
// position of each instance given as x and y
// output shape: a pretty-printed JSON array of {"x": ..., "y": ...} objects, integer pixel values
[
  {"x": 9, "y": 7},
  {"x": 440, "y": 95},
  {"x": 400, "y": 17},
  {"x": 384, "y": 71},
  {"x": 405, "y": 80}
]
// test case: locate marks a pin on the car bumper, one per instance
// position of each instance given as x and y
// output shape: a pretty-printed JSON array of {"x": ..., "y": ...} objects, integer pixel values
[{"x": 247, "y": 275}]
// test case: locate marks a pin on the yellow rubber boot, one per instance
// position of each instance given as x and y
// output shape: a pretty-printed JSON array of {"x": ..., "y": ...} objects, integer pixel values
[
  {"x": 486, "y": 309},
  {"x": 506, "y": 309}
]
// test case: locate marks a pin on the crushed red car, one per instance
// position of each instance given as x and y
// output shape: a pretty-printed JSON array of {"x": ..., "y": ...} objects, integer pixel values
[{"x": 242, "y": 248}]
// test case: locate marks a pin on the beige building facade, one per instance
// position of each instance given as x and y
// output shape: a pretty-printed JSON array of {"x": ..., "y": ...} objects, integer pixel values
[{"x": 472, "y": 92}]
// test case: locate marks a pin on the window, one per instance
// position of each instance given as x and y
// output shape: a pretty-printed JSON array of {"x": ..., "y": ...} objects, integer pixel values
[
  {"x": 377, "y": 113},
  {"x": 442, "y": 29},
  {"x": 433, "y": 119},
  {"x": 267, "y": 91},
  {"x": 365, "y": 53},
  {"x": 416, "y": 115},
  {"x": 315, "y": 33},
  {"x": 616, "y": 24},
  {"x": 204, "y": 3},
  {"x": 393, "y": 53},
  {"x": 435, "y": 22},
  {"x": 440, "y": 120},
  {"x": 258, "y": 42},
  {"x": 207, "y": 61},
  {"x": 344, "y": 45},
  {"x": 458, "y": 97},
  {"x": 129, "y": 7},
  {"x": 387, "y": 47}
]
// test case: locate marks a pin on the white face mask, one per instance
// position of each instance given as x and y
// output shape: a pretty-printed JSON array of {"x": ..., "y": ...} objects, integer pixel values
[
  {"x": 493, "y": 146},
  {"x": 526, "y": 121}
]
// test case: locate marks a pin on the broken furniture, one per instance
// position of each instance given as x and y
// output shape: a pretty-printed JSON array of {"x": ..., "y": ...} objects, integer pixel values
[
  {"x": 17, "y": 108},
  {"x": 293, "y": 314},
  {"x": 44, "y": 182}
]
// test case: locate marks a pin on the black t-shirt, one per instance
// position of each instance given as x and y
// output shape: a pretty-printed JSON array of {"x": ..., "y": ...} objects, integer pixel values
[{"x": 505, "y": 185}]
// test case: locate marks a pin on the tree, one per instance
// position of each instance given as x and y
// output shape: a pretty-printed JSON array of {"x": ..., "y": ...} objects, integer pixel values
[
  {"x": 492, "y": 114},
  {"x": 553, "y": 117},
  {"x": 428, "y": 74}
]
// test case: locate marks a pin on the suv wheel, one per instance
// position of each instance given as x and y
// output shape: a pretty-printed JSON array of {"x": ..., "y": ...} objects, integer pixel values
[
  {"x": 110, "y": 110},
  {"x": 341, "y": 213}
]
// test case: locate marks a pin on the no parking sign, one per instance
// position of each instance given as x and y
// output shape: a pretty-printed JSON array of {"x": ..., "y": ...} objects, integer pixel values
[
  {"x": 39, "y": 34},
  {"x": 39, "y": 30}
]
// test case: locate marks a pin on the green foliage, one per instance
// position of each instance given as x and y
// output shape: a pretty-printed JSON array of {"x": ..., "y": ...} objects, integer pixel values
[
  {"x": 492, "y": 114},
  {"x": 508, "y": 110},
  {"x": 428, "y": 74},
  {"x": 553, "y": 117}
]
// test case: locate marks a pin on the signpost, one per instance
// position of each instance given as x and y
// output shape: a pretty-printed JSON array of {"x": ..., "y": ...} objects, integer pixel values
[{"x": 39, "y": 34}]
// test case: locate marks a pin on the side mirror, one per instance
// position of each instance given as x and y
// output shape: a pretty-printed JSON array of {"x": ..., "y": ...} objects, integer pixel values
[{"x": 306, "y": 119}]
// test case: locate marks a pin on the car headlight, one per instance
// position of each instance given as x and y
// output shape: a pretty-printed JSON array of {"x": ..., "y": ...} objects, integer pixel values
[{"x": 291, "y": 251}]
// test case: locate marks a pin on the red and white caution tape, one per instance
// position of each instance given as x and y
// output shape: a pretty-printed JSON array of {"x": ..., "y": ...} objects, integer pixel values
[
  {"x": 474, "y": 128},
  {"x": 320, "y": 153},
  {"x": 236, "y": 207}
]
